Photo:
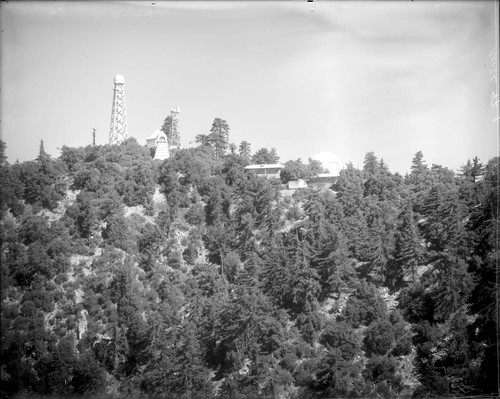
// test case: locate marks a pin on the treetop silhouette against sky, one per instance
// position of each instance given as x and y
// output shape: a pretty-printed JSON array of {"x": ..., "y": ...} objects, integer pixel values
[{"x": 346, "y": 77}]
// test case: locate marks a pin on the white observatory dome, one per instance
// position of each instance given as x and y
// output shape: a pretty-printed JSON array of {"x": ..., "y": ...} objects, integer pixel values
[
  {"x": 119, "y": 79},
  {"x": 330, "y": 161}
]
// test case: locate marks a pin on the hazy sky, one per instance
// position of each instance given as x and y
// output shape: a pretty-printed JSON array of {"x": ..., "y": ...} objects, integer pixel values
[{"x": 348, "y": 77}]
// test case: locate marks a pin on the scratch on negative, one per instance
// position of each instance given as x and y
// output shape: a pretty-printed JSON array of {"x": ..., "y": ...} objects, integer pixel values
[{"x": 56, "y": 11}]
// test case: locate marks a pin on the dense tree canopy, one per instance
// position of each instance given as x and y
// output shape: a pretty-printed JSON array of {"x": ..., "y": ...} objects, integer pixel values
[
  {"x": 190, "y": 278},
  {"x": 265, "y": 156}
]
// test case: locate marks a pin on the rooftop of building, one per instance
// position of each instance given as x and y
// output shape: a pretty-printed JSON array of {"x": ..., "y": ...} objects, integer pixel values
[
  {"x": 266, "y": 166},
  {"x": 156, "y": 134}
]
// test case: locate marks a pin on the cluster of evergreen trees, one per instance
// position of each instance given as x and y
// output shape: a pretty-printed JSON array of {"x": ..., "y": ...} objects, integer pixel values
[{"x": 225, "y": 286}]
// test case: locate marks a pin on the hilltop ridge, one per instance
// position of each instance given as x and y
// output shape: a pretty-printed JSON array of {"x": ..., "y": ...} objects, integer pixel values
[{"x": 191, "y": 277}]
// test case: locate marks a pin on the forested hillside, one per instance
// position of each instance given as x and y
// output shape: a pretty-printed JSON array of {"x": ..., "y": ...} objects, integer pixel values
[{"x": 191, "y": 278}]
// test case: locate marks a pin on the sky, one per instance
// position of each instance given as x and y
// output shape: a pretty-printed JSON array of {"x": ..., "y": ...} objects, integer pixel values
[{"x": 348, "y": 77}]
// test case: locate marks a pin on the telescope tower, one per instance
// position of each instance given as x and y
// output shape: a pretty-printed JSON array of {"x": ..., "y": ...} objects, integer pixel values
[
  {"x": 174, "y": 138},
  {"x": 118, "y": 129}
]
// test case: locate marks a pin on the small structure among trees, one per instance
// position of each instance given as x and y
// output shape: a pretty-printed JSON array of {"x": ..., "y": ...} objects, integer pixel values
[
  {"x": 158, "y": 143},
  {"x": 267, "y": 170}
]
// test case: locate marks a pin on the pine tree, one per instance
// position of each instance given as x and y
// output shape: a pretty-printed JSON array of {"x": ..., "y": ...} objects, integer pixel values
[
  {"x": 176, "y": 367},
  {"x": 418, "y": 180},
  {"x": 42, "y": 155},
  {"x": 265, "y": 156},
  {"x": 167, "y": 128},
  {"x": 245, "y": 150},
  {"x": 86, "y": 219},
  {"x": 444, "y": 227},
  {"x": 350, "y": 189},
  {"x": 408, "y": 250},
  {"x": 328, "y": 247},
  {"x": 219, "y": 137},
  {"x": 130, "y": 328},
  {"x": 371, "y": 166},
  {"x": 3, "y": 156},
  {"x": 203, "y": 139}
]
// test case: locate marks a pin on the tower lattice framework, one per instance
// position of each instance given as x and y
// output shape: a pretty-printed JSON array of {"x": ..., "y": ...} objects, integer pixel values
[
  {"x": 174, "y": 138},
  {"x": 118, "y": 129}
]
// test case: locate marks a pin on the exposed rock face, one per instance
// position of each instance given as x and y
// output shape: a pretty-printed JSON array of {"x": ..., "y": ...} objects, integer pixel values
[{"x": 82, "y": 323}]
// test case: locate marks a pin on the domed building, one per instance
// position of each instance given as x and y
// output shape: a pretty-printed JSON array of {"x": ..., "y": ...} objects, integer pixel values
[
  {"x": 158, "y": 140},
  {"x": 333, "y": 164},
  {"x": 330, "y": 161}
]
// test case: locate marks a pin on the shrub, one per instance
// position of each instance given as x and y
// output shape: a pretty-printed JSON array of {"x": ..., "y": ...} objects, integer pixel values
[
  {"x": 341, "y": 336},
  {"x": 378, "y": 337},
  {"x": 403, "y": 340},
  {"x": 381, "y": 368},
  {"x": 364, "y": 306}
]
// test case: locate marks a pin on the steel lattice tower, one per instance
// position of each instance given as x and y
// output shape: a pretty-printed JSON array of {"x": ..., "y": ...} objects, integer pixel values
[
  {"x": 174, "y": 138},
  {"x": 118, "y": 129}
]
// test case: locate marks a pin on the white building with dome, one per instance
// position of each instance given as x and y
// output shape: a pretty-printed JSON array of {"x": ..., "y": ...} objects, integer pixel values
[
  {"x": 330, "y": 161},
  {"x": 158, "y": 140},
  {"x": 333, "y": 164}
]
